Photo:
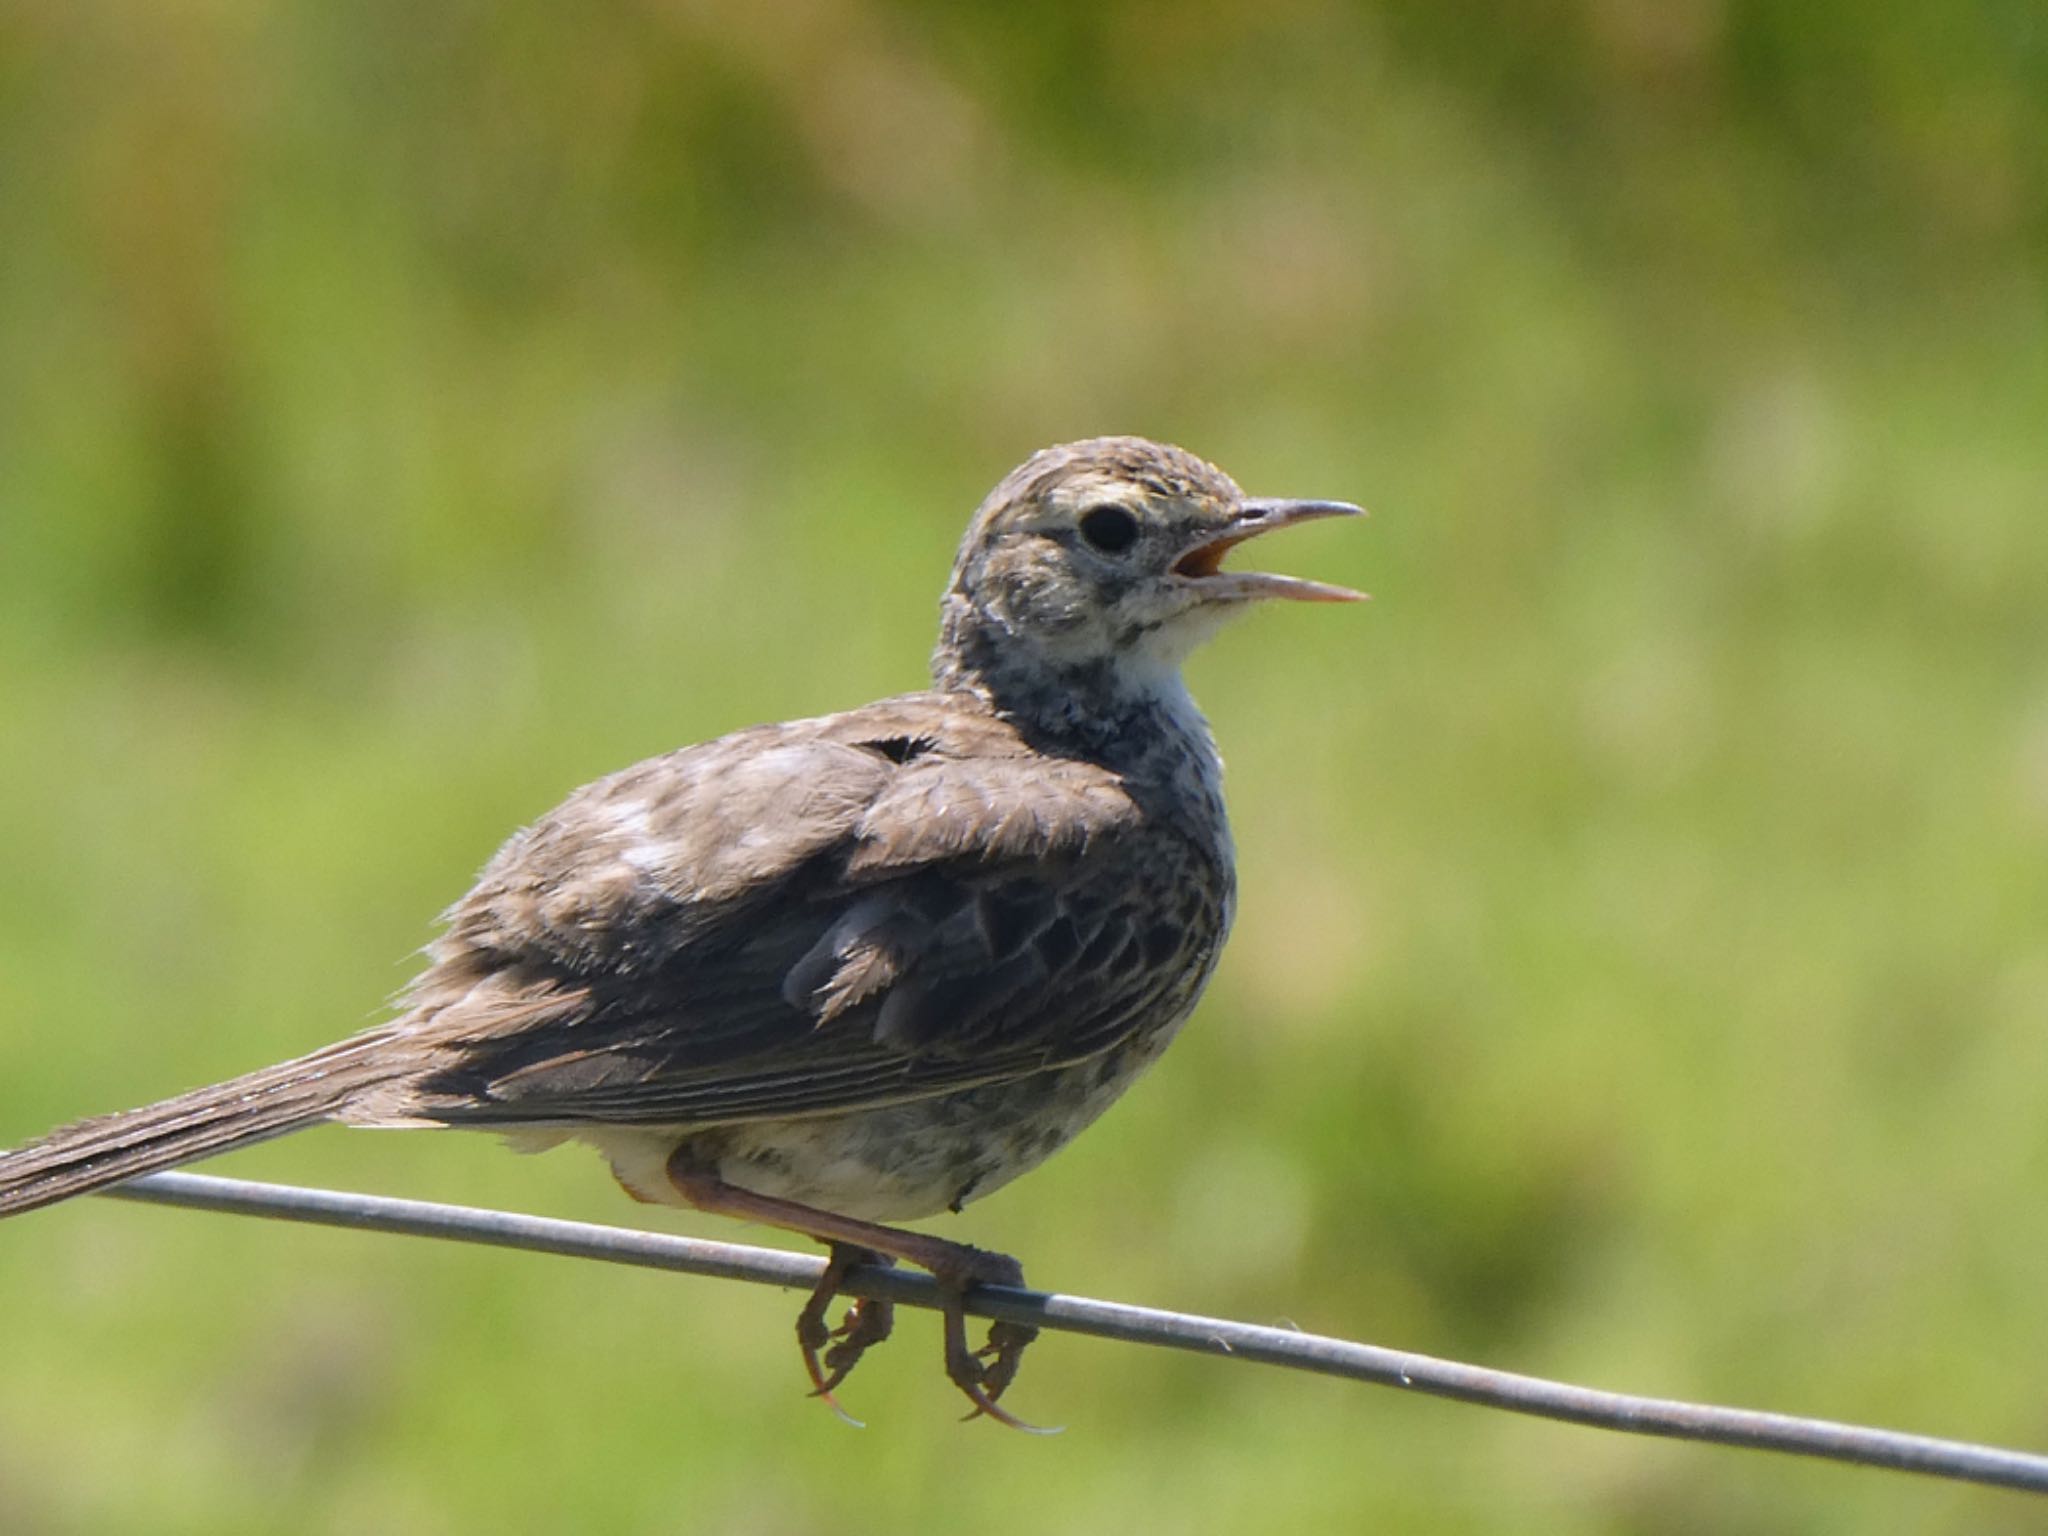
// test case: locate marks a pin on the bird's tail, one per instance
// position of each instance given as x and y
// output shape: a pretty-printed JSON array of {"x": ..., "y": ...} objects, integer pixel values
[{"x": 111, "y": 1149}]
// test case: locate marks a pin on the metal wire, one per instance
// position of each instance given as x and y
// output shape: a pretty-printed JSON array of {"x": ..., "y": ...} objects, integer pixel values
[{"x": 1953, "y": 1459}]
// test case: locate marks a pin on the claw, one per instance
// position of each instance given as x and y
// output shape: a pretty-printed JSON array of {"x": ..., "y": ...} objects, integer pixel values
[
  {"x": 965, "y": 1370},
  {"x": 811, "y": 1339},
  {"x": 838, "y": 1412},
  {"x": 866, "y": 1322},
  {"x": 1003, "y": 1351}
]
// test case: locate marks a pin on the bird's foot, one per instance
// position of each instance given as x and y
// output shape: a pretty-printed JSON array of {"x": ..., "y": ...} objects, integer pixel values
[
  {"x": 983, "y": 1375},
  {"x": 831, "y": 1353}
]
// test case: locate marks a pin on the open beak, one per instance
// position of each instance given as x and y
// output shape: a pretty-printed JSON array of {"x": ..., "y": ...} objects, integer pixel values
[{"x": 1203, "y": 564}]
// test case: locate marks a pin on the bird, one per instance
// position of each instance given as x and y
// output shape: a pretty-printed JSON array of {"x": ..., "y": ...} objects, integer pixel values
[{"x": 838, "y": 973}]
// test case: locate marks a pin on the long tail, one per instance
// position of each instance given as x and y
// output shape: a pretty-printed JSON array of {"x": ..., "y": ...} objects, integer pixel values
[{"x": 111, "y": 1149}]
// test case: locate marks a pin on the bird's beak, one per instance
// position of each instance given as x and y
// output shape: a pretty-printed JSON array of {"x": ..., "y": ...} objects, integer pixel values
[{"x": 1203, "y": 563}]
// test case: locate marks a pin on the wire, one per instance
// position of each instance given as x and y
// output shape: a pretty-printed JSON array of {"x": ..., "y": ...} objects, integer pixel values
[{"x": 1953, "y": 1459}]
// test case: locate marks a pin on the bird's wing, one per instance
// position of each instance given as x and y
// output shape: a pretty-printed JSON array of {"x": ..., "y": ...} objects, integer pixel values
[{"x": 808, "y": 919}]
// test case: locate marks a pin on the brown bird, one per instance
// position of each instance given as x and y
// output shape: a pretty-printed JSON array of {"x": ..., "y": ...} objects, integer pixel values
[{"x": 850, "y": 970}]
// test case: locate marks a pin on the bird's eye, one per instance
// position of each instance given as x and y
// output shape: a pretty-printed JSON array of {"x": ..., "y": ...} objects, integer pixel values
[{"x": 1109, "y": 528}]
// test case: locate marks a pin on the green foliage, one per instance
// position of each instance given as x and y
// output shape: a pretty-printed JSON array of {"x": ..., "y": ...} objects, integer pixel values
[{"x": 407, "y": 413}]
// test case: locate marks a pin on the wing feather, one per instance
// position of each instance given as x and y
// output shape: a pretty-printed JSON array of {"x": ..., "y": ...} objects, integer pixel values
[{"x": 803, "y": 919}]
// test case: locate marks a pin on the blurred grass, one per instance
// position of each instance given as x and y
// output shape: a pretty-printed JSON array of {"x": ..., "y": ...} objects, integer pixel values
[{"x": 408, "y": 414}]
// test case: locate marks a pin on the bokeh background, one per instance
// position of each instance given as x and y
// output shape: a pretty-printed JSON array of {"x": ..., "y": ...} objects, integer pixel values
[{"x": 409, "y": 412}]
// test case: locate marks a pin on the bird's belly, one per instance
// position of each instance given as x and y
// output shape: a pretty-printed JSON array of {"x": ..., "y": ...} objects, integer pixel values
[{"x": 891, "y": 1164}]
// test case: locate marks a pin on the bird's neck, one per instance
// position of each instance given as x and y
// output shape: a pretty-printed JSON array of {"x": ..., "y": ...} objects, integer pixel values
[{"x": 1132, "y": 713}]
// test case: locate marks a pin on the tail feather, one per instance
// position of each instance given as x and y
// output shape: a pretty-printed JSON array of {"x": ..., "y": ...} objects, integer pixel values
[{"x": 111, "y": 1149}]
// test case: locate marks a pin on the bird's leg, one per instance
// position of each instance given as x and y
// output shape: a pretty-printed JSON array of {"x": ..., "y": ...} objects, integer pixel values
[{"x": 956, "y": 1266}]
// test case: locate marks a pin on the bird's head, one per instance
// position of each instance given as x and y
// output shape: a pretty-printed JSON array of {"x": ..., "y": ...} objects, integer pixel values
[{"x": 1103, "y": 559}]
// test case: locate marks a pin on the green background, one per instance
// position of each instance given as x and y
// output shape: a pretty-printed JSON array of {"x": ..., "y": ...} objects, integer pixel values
[{"x": 408, "y": 412}]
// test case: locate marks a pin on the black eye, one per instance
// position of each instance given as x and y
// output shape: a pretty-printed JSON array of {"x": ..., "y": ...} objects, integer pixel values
[{"x": 1109, "y": 528}]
